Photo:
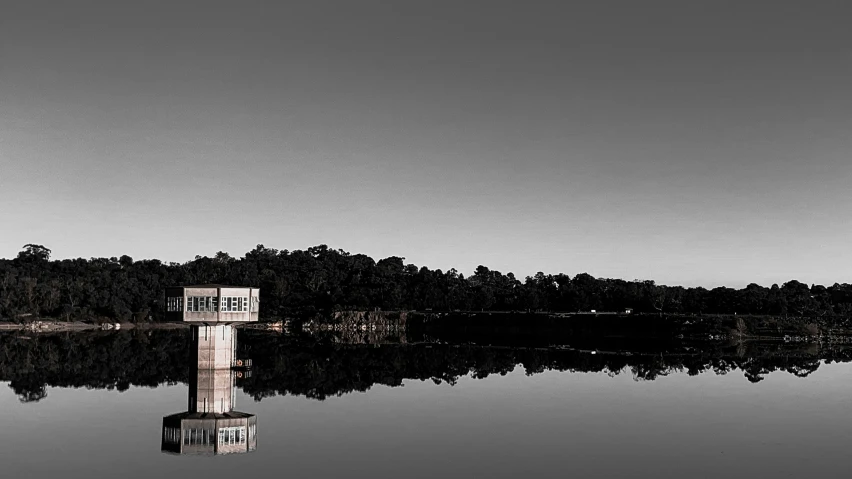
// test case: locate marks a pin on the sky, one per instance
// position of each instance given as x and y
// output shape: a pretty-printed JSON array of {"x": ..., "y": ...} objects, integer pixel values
[{"x": 694, "y": 143}]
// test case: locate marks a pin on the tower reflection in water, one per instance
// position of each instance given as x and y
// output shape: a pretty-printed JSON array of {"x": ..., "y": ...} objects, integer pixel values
[{"x": 211, "y": 426}]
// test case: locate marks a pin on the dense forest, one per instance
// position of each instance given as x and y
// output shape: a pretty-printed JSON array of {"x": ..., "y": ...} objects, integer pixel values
[
  {"x": 315, "y": 368},
  {"x": 320, "y": 279}
]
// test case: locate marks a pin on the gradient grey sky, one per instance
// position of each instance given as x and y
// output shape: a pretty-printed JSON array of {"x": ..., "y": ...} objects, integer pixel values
[{"x": 689, "y": 142}]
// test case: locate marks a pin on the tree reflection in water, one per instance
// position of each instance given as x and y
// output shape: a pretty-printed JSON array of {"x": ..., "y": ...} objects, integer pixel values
[{"x": 318, "y": 368}]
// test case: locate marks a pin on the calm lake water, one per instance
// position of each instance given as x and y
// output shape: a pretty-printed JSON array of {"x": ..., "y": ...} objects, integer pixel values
[{"x": 571, "y": 423}]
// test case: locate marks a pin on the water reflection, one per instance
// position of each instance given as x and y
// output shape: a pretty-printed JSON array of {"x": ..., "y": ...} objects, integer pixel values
[
  {"x": 211, "y": 426},
  {"x": 595, "y": 408},
  {"x": 320, "y": 365}
]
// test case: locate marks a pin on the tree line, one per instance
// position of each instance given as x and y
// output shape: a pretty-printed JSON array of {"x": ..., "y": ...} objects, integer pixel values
[{"x": 320, "y": 279}]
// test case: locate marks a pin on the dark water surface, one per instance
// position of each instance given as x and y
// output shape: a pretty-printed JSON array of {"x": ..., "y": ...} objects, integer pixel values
[{"x": 583, "y": 421}]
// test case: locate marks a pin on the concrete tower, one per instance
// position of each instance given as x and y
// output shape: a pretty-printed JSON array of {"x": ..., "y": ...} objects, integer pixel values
[{"x": 211, "y": 426}]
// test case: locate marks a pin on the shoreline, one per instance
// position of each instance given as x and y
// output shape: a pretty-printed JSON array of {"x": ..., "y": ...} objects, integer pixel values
[
  {"x": 521, "y": 327},
  {"x": 51, "y": 326}
]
